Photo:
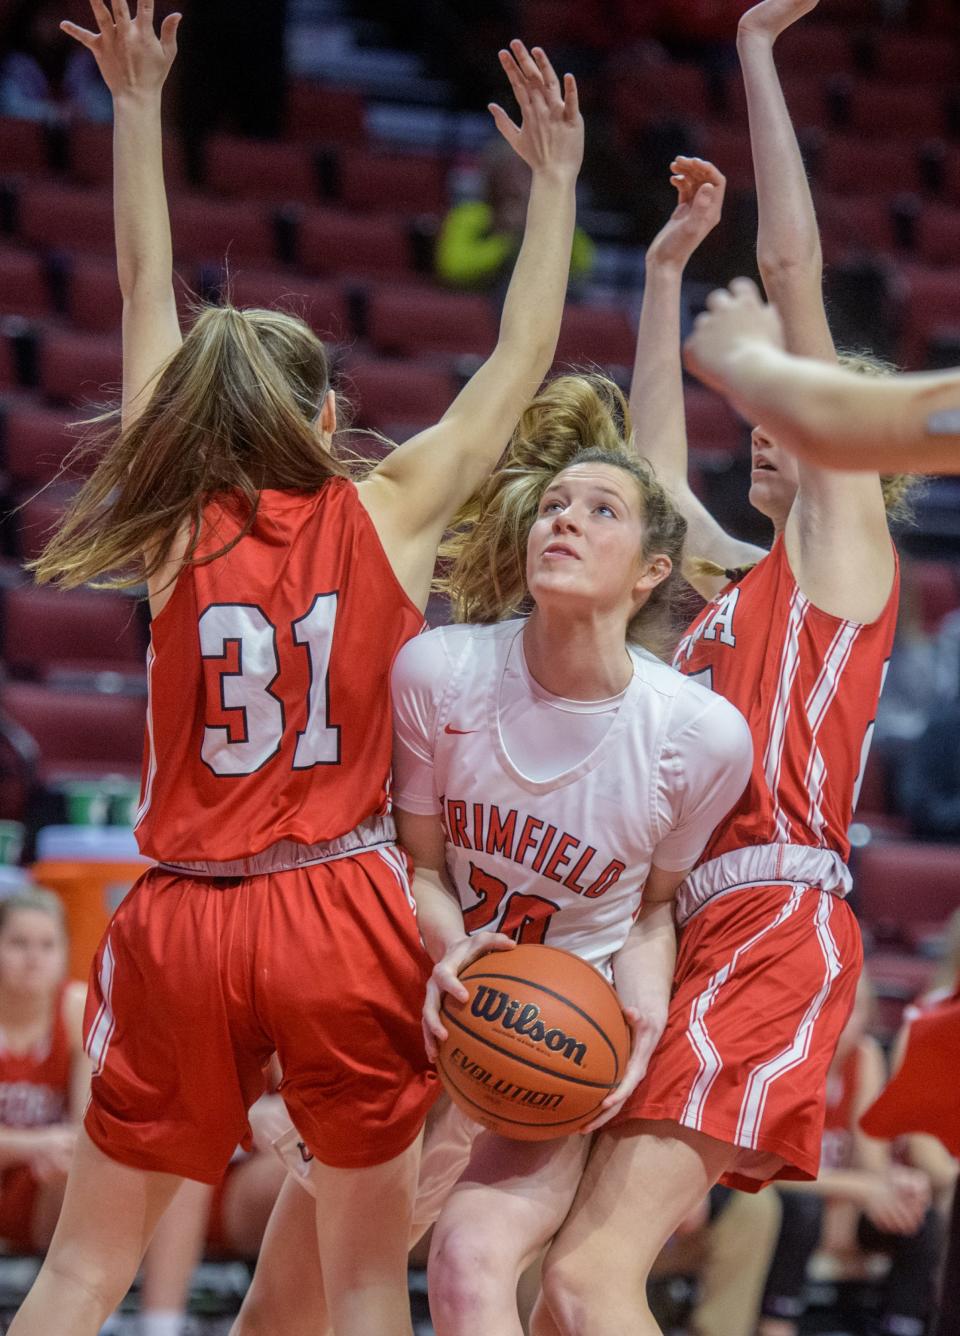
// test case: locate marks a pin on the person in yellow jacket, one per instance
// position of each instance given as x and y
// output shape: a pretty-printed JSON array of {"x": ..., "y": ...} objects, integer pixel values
[{"x": 479, "y": 239}]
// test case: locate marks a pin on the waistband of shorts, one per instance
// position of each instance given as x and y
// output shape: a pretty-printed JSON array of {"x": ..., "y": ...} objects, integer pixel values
[
  {"x": 285, "y": 855},
  {"x": 761, "y": 865}
]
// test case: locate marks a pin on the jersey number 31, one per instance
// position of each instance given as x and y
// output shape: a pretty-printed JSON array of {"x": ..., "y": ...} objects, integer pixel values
[{"x": 249, "y": 687}]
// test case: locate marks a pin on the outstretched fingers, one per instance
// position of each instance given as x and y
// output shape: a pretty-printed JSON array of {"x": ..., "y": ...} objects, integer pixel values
[
  {"x": 571, "y": 99},
  {"x": 81, "y": 35},
  {"x": 102, "y": 15}
]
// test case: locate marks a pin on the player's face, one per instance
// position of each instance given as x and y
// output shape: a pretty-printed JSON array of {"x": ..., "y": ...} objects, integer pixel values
[
  {"x": 33, "y": 954},
  {"x": 774, "y": 477},
  {"x": 586, "y": 544}
]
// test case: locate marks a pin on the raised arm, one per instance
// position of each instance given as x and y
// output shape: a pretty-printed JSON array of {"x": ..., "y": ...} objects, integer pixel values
[
  {"x": 656, "y": 390},
  {"x": 836, "y": 536},
  {"x": 134, "y": 63},
  {"x": 415, "y": 492},
  {"x": 829, "y": 416}
]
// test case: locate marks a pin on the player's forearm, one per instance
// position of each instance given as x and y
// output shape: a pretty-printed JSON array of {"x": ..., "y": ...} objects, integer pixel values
[
  {"x": 533, "y": 309},
  {"x": 788, "y": 241},
  {"x": 18, "y": 1145},
  {"x": 141, "y": 214},
  {"x": 643, "y": 967},
  {"x": 656, "y": 388},
  {"x": 439, "y": 915}
]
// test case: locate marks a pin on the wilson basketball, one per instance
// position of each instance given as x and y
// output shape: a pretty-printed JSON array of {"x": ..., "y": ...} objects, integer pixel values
[{"x": 537, "y": 1046}]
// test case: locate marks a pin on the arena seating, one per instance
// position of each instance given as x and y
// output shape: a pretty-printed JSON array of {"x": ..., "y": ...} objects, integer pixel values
[{"x": 335, "y": 225}]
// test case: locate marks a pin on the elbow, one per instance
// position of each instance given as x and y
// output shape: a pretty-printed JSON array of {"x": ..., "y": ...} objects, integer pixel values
[{"x": 782, "y": 269}]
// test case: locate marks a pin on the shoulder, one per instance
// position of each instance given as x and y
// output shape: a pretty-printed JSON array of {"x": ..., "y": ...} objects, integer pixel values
[
  {"x": 708, "y": 719},
  {"x": 429, "y": 658}
]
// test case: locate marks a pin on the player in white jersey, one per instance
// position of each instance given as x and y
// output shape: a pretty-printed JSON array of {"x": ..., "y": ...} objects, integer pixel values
[{"x": 554, "y": 782}]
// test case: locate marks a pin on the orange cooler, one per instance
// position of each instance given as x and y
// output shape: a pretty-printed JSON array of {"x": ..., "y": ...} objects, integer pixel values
[{"x": 91, "y": 868}]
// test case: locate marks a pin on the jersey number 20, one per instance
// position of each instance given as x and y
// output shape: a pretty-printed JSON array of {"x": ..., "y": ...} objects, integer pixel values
[{"x": 249, "y": 689}]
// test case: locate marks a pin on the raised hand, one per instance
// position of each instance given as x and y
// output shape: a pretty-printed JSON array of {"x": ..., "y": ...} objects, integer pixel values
[
  {"x": 772, "y": 17},
  {"x": 550, "y": 134},
  {"x": 735, "y": 321},
  {"x": 132, "y": 58},
  {"x": 700, "y": 189}
]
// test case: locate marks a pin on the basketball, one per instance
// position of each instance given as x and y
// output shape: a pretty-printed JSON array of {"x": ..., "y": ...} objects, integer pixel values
[{"x": 538, "y": 1045}]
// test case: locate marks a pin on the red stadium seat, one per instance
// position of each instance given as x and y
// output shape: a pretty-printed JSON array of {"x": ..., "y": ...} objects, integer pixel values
[
  {"x": 712, "y": 424},
  {"x": 559, "y": 23},
  {"x": 913, "y": 58},
  {"x": 414, "y": 320},
  {"x": 851, "y": 224},
  {"x": 65, "y": 218},
  {"x": 392, "y": 183},
  {"x": 77, "y": 368},
  {"x": 86, "y": 733},
  {"x": 850, "y": 165},
  {"x": 335, "y": 242},
  {"x": 902, "y": 884},
  {"x": 387, "y": 392},
  {"x": 45, "y": 629},
  {"x": 642, "y": 91},
  {"x": 931, "y": 306},
  {"x": 824, "y": 47},
  {"x": 8, "y": 366},
  {"x": 322, "y": 115},
  {"x": 206, "y": 230},
  {"x": 23, "y": 283},
  {"x": 323, "y": 305},
  {"x": 93, "y": 294},
  {"x": 883, "y": 110},
  {"x": 37, "y": 518},
  {"x": 91, "y": 156},
  {"x": 259, "y": 169},
  {"x": 938, "y": 234},
  {"x": 728, "y": 147},
  {"x": 23, "y": 147},
  {"x": 36, "y": 441},
  {"x": 601, "y": 335},
  {"x": 937, "y": 591}
]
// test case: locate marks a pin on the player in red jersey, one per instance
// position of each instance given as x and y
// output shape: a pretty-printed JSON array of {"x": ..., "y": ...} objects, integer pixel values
[
  {"x": 44, "y": 1073},
  {"x": 279, "y": 918},
  {"x": 769, "y": 952}
]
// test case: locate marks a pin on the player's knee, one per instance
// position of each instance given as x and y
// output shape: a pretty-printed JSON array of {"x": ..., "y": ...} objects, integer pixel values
[
  {"x": 466, "y": 1265},
  {"x": 88, "y": 1284},
  {"x": 575, "y": 1286},
  {"x": 565, "y": 1292}
]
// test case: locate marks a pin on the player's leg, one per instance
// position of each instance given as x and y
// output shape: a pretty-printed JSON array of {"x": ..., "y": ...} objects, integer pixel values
[
  {"x": 249, "y": 1195},
  {"x": 508, "y": 1204},
  {"x": 174, "y": 1251},
  {"x": 286, "y": 1295},
  {"x": 639, "y": 1183},
  {"x": 363, "y": 1233},
  {"x": 109, "y": 1214}
]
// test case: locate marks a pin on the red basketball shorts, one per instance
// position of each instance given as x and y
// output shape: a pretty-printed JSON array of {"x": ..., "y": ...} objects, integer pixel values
[
  {"x": 764, "y": 984},
  {"x": 198, "y": 981}
]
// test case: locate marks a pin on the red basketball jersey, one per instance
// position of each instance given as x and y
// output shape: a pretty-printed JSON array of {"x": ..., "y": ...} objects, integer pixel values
[
  {"x": 269, "y": 706},
  {"x": 838, "y": 1120},
  {"x": 808, "y": 684},
  {"x": 35, "y": 1086}
]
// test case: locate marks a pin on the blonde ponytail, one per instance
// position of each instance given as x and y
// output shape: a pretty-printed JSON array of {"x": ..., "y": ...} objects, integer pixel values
[
  {"x": 233, "y": 410},
  {"x": 574, "y": 419}
]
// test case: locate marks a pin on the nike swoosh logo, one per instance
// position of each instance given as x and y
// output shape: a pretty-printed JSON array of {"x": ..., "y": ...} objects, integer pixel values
[{"x": 462, "y": 731}]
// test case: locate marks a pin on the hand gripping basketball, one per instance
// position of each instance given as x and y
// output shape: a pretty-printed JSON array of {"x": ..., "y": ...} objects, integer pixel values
[
  {"x": 536, "y": 1041},
  {"x": 445, "y": 978}
]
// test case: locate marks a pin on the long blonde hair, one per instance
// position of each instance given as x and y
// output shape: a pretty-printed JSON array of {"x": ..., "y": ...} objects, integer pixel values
[
  {"x": 233, "y": 410},
  {"x": 574, "y": 419}
]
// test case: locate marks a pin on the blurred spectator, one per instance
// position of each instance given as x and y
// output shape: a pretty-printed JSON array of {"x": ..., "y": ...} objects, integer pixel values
[
  {"x": 44, "y": 1072},
  {"x": 861, "y": 1203},
  {"x": 910, "y": 681},
  {"x": 479, "y": 239},
  {"x": 44, "y": 75}
]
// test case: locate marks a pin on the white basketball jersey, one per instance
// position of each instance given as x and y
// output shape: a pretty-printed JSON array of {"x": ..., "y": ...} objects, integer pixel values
[{"x": 561, "y": 859}]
